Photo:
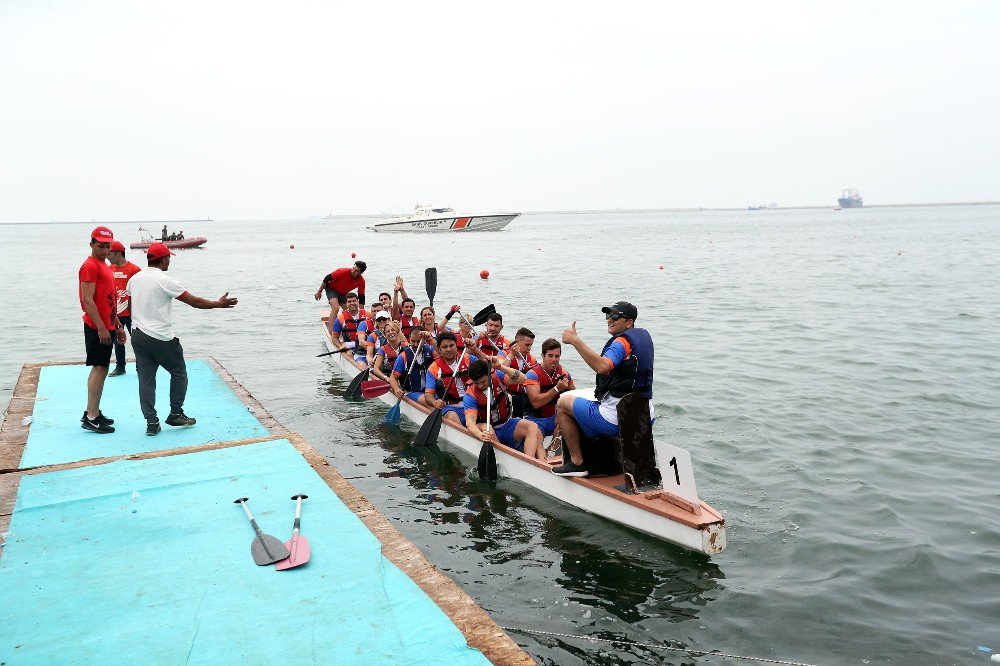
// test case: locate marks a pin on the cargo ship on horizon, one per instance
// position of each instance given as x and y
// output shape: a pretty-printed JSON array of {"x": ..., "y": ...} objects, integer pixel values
[{"x": 850, "y": 199}]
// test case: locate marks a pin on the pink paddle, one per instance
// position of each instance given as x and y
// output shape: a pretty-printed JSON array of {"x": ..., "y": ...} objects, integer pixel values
[
  {"x": 298, "y": 546},
  {"x": 373, "y": 388}
]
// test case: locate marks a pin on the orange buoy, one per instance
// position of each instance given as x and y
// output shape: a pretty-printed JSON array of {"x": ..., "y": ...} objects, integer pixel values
[{"x": 484, "y": 274}]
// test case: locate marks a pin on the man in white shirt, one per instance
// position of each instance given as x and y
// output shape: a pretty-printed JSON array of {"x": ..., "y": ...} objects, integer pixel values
[{"x": 153, "y": 292}]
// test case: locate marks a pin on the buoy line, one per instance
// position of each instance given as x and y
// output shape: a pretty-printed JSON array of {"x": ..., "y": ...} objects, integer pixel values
[{"x": 660, "y": 646}]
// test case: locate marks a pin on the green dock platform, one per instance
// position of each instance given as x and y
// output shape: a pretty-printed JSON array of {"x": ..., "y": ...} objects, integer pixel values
[{"x": 129, "y": 548}]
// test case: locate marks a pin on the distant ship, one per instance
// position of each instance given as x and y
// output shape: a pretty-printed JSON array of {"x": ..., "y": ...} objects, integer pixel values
[
  {"x": 769, "y": 206},
  {"x": 850, "y": 199}
]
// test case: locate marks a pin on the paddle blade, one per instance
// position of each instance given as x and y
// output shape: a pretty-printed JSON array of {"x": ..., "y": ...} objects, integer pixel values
[
  {"x": 299, "y": 552},
  {"x": 353, "y": 389},
  {"x": 267, "y": 550},
  {"x": 374, "y": 388},
  {"x": 392, "y": 416},
  {"x": 487, "y": 467},
  {"x": 483, "y": 315},
  {"x": 429, "y": 430},
  {"x": 431, "y": 281}
]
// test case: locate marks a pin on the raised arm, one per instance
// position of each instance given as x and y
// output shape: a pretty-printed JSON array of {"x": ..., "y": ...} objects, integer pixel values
[
  {"x": 597, "y": 363},
  {"x": 200, "y": 303}
]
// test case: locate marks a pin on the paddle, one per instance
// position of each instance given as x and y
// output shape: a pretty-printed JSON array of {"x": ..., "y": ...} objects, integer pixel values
[
  {"x": 353, "y": 389},
  {"x": 431, "y": 282},
  {"x": 483, "y": 315},
  {"x": 298, "y": 547},
  {"x": 431, "y": 427},
  {"x": 392, "y": 416},
  {"x": 265, "y": 548},
  {"x": 335, "y": 351},
  {"x": 374, "y": 388},
  {"x": 487, "y": 466}
]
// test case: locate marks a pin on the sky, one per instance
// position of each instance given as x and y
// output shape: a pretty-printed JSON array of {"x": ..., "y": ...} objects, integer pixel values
[{"x": 250, "y": 110}]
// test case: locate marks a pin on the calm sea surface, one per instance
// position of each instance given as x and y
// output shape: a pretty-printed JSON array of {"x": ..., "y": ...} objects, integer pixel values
[{"x": 835, "y": 375}]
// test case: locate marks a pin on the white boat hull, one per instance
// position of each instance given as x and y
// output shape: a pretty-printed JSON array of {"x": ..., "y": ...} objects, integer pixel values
[
  {"x": 446, "y": 223},
  {"x": 660, "y": 514}
]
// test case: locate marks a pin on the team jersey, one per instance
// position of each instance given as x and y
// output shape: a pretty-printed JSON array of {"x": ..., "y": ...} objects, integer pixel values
[
  {"x": 521, "y": 363},
  {"x": 441, "y": 377},
  {"x": 407, "y": 324},
  {"x": 416, "y": 378},
  {"x": 539, "y": 377},
  {"x": 499, "y": 346},
  {"x": 122, "y": 275},
  {"x": 501, "y": 409},
  {"x": 347, "y": 326},
  {"x": 105, "y": 298},
  {"x": 342, "y": 282}
]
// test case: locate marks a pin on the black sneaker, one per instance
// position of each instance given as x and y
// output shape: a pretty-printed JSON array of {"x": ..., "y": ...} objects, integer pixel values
[
  {"x": 152, "y": 427},
  {"x": 117, "y": 372},
  {"x": 101, "y": 418},
  {"x": 569, "y": 468},
  {"x": 180, "y": 419},
  {"x": 97, "y": 425}
]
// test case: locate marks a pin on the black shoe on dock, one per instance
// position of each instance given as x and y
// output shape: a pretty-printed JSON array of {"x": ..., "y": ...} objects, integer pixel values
[
  {"x": 117, "y": 372},
  {"x": 152, "y": 427},
  {"x": 180, "y": 419},
  {"x": 97, "y": 425},
  {"x": 101, "y": 418},
  {"x": 569, "y": 468}
]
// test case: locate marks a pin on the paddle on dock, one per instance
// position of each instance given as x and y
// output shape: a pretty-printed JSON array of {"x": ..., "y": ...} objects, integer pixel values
[
  {"x": 265, "y": 548},
  {"x": 298, "y": 546}
]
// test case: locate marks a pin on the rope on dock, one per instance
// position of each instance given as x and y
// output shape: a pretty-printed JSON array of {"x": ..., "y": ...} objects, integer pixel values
[{"x": 659, "y": 646}]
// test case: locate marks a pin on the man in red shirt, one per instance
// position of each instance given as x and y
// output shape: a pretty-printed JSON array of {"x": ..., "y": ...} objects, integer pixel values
[
  {"x": 339, "y": 283},
  {"x": 100, "y": 325},
  {"x": 123, "y": 270}
]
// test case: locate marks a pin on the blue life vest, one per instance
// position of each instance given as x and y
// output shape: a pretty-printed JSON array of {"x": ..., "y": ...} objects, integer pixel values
[
  {"x": 417, "y": 379},
  {"x": 635, "y": 373}
]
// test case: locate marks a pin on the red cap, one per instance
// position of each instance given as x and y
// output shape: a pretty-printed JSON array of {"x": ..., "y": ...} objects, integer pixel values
[
  {"x": 102, "y": 235},
  {"x": 157, "y": 251},
  {"x": 117, "y": 247}
]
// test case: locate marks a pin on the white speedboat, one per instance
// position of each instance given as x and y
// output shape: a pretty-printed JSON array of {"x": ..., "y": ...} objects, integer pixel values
[
  {"x": 428, "y": 218},
  {"x": 673, "y": 512}
]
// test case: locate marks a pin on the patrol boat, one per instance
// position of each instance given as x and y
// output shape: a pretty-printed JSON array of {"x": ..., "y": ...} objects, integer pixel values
[
  {"x": 672, "y": 512},
  {"x": 429, "y": 218}
]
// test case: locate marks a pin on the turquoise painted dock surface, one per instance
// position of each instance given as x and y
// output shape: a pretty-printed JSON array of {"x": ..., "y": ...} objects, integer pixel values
[
  {"x": 151, "y": 558},
  {"x": 56, "y": 436}
]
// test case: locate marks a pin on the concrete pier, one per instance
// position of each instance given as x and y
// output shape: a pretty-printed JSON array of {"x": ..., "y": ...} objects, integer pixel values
[{"x": 129, "y": 547}]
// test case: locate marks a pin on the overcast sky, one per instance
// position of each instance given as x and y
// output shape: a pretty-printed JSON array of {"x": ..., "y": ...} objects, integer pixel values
[{"x": 238, "y": 110}]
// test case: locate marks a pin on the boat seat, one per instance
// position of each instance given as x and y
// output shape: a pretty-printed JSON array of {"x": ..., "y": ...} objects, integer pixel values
[{"x": 602, "y": 455}]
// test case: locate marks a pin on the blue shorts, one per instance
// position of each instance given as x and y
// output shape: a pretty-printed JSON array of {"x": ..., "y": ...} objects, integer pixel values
[
  {"x": 505, "y": 434},
  {"x": 548, "y": 426},
  {"x": 587, "y": 415},
  {"x": 414, "y": 395},
  {"x": 457, "y": 409},
  {"x": 363, "y": 360}
]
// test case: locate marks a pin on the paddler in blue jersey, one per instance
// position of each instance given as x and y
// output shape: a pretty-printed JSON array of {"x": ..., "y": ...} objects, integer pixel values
[{"x": 625, "y": 365}]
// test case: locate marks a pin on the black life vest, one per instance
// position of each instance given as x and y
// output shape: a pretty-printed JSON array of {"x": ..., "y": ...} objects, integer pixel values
[
  {"x": 416, "y": 379},
  {"x": 632, "y": 375}
]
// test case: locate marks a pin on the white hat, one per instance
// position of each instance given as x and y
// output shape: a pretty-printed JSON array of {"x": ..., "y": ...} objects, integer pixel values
[{"x": 381, "y": 314}]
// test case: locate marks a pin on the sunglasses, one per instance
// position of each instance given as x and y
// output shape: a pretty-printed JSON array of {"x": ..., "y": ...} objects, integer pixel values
[{"x": 614, "y": 316}]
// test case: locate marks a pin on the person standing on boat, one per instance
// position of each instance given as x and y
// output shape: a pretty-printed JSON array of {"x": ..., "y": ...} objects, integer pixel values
[
  {"x": 547, "y": 380},
  {"x": 409, "y": 374},
  {"x": 625, "y": 365},
  {"x": 164, "y": 235},
  {"x": 123, "y": 270},
  {"x": 100, "y": 326},
  {"x": 519, "y": 434},
  {"x": 153, "y": 292},
  {"x": 339, "y": 283}
]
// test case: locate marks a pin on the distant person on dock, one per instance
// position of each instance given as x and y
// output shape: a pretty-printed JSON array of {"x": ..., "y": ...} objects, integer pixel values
[
  {"x": 164, "y": 235},
  {"x": 123, "y": 270},
  {"x": 100, "y": 325},
  {"x": 153, "y": 292},
  {"x": 339, "y": 283},
  {"x": 625, "y": 365}
]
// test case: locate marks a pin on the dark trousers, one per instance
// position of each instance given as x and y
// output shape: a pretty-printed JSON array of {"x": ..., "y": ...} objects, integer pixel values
[
  {"x": 151, "y": 354},
  {"x": 120, "y": 349}
]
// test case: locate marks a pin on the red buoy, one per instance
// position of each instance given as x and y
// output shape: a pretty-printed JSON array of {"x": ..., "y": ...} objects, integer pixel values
[
  {"x": 291, "y": 247},
  {"x": 484, "y": 274},
  {"x": 353, "y": 255},
  {"x": 661, "y": 268}
]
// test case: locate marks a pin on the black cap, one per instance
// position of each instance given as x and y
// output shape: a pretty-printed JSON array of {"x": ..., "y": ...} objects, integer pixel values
[{"x": 623, "y": 308}]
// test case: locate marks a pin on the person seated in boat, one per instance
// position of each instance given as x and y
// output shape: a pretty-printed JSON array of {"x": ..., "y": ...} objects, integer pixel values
[
  {"x": 164, "y": 236},
  {"x": 385, "y": 356},
  {"x": 546, "y": 381},
  {"x": 625, "y": 365},
  {"x": 447, "y": 378},
  {"x": 180, "y": 235},
  {"x": 519, "y": 357},
  {"x": 386, "y": 301},
  {"x": 463, "y": 332},
  {"x": 410, "y": 369},
  {"x": 518, "y": 434},
  {"x": 428, "y": 324},
  {"x": 490, "y": 341},
  {"x": 339, "y": 283},
  {"x": 407, "y": 321},
  {"x": 347, "y": 323},
  {"x": 173, "y": 236},
  {"x": 376, "y": 339}
]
